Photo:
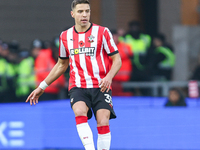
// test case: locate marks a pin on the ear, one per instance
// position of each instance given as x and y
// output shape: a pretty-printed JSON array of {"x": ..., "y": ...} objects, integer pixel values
[{"x": 72, "y": 14}]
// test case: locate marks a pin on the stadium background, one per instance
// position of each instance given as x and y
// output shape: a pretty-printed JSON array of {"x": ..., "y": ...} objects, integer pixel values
[
  {"x": 170, "y": 128},
  {"x": 27, "y": 20}
]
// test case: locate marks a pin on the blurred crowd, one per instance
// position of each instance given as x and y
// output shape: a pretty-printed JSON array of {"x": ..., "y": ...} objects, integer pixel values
[
  {"x": 144, "y": 58},
  {"x": 21, "y": 70}
]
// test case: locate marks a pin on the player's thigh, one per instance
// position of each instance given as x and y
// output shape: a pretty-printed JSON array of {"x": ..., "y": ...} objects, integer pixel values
[
  {"x": 102, "y": 117},
  {"x": 80, "y": 102},
  {"x": 80, "y": 108},
  {"x": 102, "y": 104}
]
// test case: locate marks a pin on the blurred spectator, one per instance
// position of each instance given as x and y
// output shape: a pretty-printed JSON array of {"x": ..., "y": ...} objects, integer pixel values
[
  {"x": 139, "y": 43},
  {"x": 161, "y": 60},
  {"x": 121, "y": 32},
  {"x": 196, "y": 72},
  {"x": 47, "y": 44},
  {"x": 26, "y": 78},
  {"x": 125, "y": 71},
  {"x": 43, "y": 65},
  {"x": 11, "y": 55},
  {"x": 14, "y": 49},
  {"x": 3, "y": 62},
  {"x": 36, "y": 46},
  {"x": 55, "y": 47},
  {"x": 175, "y": 98},
  {"x": 126, "y": 56}
]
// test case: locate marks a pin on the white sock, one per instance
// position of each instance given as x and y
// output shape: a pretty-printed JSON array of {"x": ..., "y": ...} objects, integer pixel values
[
  {"x": 103, "y": 142},
  {"x": 86, "y": 136}
]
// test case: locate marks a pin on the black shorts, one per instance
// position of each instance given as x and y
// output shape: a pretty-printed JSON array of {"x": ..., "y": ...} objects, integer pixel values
[{"x": 94, "y": 99}]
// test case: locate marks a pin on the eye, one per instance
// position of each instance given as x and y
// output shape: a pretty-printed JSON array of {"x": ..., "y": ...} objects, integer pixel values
[
  {"x": 80, "y": 11},
  {"x": 87, "y": 11}
]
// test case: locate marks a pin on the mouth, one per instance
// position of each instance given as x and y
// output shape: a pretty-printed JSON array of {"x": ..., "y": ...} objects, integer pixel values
[{"x": 84, "y": 20}]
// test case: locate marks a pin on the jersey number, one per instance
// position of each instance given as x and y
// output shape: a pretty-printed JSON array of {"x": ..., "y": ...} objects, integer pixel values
[{"x": 108, "y": 98}]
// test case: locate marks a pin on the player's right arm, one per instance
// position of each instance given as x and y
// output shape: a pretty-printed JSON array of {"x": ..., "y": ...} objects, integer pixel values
[{"x": 60, "y": 67}]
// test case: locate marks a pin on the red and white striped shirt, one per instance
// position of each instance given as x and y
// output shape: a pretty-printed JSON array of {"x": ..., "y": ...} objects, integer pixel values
[{"x": 88, "y": 54}]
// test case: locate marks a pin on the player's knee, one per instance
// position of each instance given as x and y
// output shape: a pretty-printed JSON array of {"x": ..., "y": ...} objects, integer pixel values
[
  {"x": 80, "y": 112},
  {"x": 103, "y": 121},
  {"x": 80, "y": 109},
  {"x": 102, "y": 117}
]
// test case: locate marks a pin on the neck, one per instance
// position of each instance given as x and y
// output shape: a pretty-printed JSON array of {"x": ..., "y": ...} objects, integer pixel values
[{"x": 82, "y": 28}]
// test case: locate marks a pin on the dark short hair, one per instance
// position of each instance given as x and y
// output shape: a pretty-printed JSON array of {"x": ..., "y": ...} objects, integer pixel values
[
  {"x": 113, "y": 31},
  {"x": 76, "y": 2}
]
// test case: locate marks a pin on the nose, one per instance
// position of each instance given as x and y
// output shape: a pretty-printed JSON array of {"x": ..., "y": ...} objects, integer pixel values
[{"x": 84, "y": 13}]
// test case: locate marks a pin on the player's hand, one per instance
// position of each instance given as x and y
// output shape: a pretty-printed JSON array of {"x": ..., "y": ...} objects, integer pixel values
[
  {"x": 34, "y": 96},
  {"x": 105, "y": 84}
]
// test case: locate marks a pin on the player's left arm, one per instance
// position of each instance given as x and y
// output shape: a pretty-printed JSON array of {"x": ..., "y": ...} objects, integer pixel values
[{"x": 107, "y": 80}]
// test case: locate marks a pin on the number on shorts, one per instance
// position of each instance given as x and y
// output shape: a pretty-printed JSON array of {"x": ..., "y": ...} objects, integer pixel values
[{"x": 108, "y": 98}]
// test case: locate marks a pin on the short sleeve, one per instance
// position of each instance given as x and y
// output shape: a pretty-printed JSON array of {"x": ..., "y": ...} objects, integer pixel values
[
  {"x": 63, "y": 48},
  {"x": 108, "y": 43}
]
